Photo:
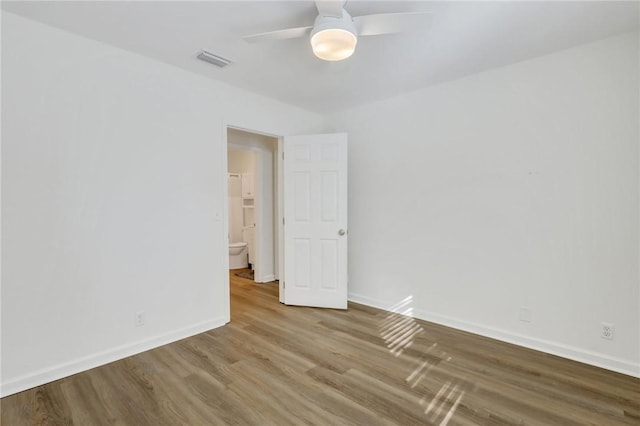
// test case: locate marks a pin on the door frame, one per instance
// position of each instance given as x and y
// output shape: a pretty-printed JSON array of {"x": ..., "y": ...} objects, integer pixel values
[{"x": 278, "y": 211}]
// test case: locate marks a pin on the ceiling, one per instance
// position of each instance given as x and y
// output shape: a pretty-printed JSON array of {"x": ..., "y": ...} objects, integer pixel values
[{"x": 465, "y": 38}]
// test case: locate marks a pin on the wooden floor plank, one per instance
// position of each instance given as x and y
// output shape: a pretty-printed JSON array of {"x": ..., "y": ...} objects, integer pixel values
[{"x": 280, "y": 365}]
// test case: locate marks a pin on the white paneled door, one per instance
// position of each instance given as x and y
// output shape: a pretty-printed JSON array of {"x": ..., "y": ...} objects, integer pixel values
[{"x": 315, "y": 220}]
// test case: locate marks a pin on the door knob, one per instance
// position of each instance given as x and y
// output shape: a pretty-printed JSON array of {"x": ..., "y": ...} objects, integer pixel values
[{"x": 342, "y": 232}]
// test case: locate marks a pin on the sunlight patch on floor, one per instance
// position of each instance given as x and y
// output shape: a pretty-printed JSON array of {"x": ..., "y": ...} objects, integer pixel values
[
  {"x": 449, "y": 396},
  {"x": 399, "y": 330}
]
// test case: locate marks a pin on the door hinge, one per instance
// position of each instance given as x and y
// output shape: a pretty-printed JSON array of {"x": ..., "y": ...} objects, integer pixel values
[
  {"x": 283, "y": 286},
  {"x": 283, "y": 221},
  {"x": 283, "y": 155}
]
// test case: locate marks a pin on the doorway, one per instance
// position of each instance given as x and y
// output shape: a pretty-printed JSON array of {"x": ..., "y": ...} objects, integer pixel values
[
  {"x": 252, "y": 203},
  {"x": 308, "y": 188}
]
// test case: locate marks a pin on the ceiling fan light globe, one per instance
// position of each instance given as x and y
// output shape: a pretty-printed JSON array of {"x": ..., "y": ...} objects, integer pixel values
[
  {"x": 334, "y": 38},
  {"x": 333, "y": 44}
]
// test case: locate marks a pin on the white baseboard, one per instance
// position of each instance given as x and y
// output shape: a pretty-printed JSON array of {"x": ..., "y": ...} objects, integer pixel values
[
  {"x": 56, "y": 372},
  {"x": 554, "y": 348},
  {"x": 266, "y": 278},
  {"x": 364, "y": 300}
]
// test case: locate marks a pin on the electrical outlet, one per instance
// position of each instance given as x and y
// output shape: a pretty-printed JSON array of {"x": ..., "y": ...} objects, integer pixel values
[
  {"x": 139, "y": 319},
  {"x": 526, "y": 315},
  {"x": 606, "y": 331}
]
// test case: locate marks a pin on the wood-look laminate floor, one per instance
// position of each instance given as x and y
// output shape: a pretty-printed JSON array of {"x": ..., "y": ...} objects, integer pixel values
[{"x": 279, "y": 365}]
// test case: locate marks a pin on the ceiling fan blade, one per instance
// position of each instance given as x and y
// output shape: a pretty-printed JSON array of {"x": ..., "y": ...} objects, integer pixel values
[
  {"x": 389, "y": 23},
  {"x": 278, "y": 35},
  {"x": 330, "y": 7}
]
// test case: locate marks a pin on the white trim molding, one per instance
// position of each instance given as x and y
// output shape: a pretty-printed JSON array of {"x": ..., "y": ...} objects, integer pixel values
[
  {"x": 266, "y": 279},
  {"x": 565, "y": 351},
  {"x": 60, "y": 371}
]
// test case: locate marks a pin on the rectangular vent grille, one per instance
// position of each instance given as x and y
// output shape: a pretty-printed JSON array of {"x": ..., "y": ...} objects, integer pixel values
[{"x": 216, "y": 60}]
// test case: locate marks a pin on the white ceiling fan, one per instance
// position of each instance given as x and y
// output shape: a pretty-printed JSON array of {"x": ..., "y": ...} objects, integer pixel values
[{"x": 335, "y": 33}]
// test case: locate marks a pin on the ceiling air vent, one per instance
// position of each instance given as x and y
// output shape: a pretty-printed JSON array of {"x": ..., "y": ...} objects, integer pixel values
[{"x": 216, "y": 60}]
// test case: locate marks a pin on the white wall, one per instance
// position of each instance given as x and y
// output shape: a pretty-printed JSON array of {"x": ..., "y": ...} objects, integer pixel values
[
  {"x": 113, "y": 166},
  {"x": 517, "y": 187},
  {"x": 524, "y": 193}
]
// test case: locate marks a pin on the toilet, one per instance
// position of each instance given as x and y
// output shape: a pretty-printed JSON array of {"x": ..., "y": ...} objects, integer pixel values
[
  {"x": 249, "y": 237},
  {"x": 238, "y": 255}
]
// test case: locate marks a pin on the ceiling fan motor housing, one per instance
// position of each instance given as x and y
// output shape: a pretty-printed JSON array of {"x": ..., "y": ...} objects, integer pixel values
[{"x": 334, "y": 38}]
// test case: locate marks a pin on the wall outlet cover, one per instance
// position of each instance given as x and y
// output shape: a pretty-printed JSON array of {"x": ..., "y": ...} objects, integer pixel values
[
  {"x": 526, "y": 315},
  {"x": 139, "y": 319},
  {"x": 606, "y": 331}
]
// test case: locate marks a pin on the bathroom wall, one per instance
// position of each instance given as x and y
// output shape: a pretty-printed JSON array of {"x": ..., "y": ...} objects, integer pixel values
[
  {"x": 235, "y": 208},
  {"x": 264, "y": 148},
  {"x": 241, "y": 161}
]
